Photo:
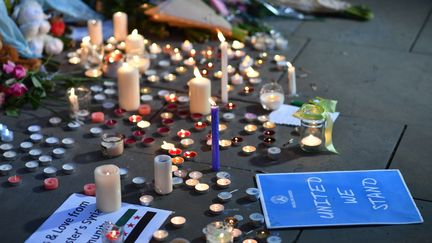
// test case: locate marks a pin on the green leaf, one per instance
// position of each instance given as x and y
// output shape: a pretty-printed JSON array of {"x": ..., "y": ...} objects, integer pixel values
[
  {"x": 12, "y": 112},
  {"x": 360, "y": 12},
  {"x": 36, "y": 82}
]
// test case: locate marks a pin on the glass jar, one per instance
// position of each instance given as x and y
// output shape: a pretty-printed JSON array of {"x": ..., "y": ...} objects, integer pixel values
[
  {"x": 112, "y": 145},
  {"x": 219, "y": 232},
  {"x": 79, "y": 100},
  {"x": 312, "y": 127},
  {"x": 112, "y": 233},
  {"x": 272, "y": 96}
]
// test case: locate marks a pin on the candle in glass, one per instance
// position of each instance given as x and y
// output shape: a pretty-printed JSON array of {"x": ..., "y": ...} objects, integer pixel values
[
  {"x": 224, "y": 67},
  {"x": 215, "y": 135},
  {"x": 163, "y": 174},
  {"x": 108, "y": 190}
]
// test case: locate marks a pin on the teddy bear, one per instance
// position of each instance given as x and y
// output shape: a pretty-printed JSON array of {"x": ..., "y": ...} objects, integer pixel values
[
  {"x": 35, "y": 27},
  {"x": 9, "y": 53}
]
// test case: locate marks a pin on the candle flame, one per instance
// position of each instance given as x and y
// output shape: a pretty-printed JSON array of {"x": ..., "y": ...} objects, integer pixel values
[
  {"x": 197, "y": 73},
  {"x": 164, "y": 142},
  {"x": 135, "y": 32},
  {"x": 221, "y": 37},
  {"x": 289, "y": 65},
  {"x": 212, "y": 102}
]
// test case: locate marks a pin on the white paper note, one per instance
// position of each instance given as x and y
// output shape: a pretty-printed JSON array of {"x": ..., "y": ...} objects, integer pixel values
[{"x": 284, "y": 115}]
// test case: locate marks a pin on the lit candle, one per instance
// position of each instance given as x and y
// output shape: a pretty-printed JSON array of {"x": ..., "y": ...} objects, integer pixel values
[
  {"x": 225, "y": 143},
  {"x": 190, "y": 155},
  {"x": 174, "y": 151},
  {"x": 269, "y": 125},
  {"x": 199, "y": 126},
  {"x": 237, "y": 79},
  {"x": 215, "y": 135},
  {"x": 186, "y": 46},
  {"x": 144, "y": 110},
  {"x": 178, "y": 221},
  {"x": 176, "y": 57},
  {"x": 140, "y": 62},
  {"x": 108, "y": 189},
  {"x": 177, "y": 160},
  {"x": 167, "y": 146},
  {"x": 224, "y": 65},
  {"x": 95, "y": 31},
  {"x": 311, "y": 141},
  {"x": 191, "y": 182},
  {"x": 250, "y": 128},
  {"x": 249, "y": 149},
  {"x": 216, "y": 208},
  {"x": 135, "y": 43},
  {"x": 199, "y": 94},
  {"x": 183, "y": 133},
  {"x": 73, "y": 101},
  {"x": 128, "y": 87},
  {"x": 201, "y": 188},
  {"x": 120, "y": 22},
  {"x": 252, "y": 73},
  {"x": 272, "y": 100},
  {"x": 186, "y": 142},
  {"x": 189, "y": 62},
  {"x": 223, "y": 183},
  {"x": 160, "y": 235},
  {"x": 237, "y": 45},
  {"x": 155, "y": 48},
  {"x": 292, "y": 86},
  {"x": 163, "y": 174},
  {"x": 146, "y": 200},
  {"x": 135, "y": 118},
  {"x": 247, "y": 90},
  {"x": 143, "y": 124}
]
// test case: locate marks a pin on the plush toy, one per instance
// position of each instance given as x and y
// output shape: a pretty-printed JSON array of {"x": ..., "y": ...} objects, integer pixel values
[
  {"x": 9, "y": 53},
  {"x": 35, "y": 27}
]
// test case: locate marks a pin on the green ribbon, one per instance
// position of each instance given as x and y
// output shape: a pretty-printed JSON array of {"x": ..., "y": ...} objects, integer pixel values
[{"x": 319, "y": 109}]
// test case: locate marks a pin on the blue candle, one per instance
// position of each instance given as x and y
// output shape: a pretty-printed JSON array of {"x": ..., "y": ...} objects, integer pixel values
[{"x": 215, "y": 135}]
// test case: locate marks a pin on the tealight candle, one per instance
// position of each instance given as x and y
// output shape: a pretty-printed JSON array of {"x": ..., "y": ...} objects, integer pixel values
[
  {"x": 139, "y": 181},
  {"x": 180, "y": 173},
  {"x": 196, "y": 116},
  {"x": 129, "y": 142},
  {"x": 253, "y": 193},
  {"x": 7, "y": 135},
  {"x": 73, "y": 125},
  {"x": 183, "y": 133},
  {"x": 138, "y": 134},
  {"x": 167, "y": 48},
  {"x": 10, "y": 155},
  {"x": 110, "y": 123},
  {"x": 236, "y": 141},
  {"x": 167, "y": 146},
  {"x": 5, "y": 169},
  {"x": 153, "y": 78},
  {"x": 228, "y": 116},
  {"x": 26, "y": 146},
  {"x": 145, "y": 90},
  {"x": 143, "y": 125},
  {"x": 178, "y": 221},
  {"x": 274, "y": 239},
  {"x": 176, "y": 57},
  {"x": 160, "y": 235},
  {"x": 146, "y": 200},
  {"x": 97, "y": 117},
  {"x": 269, "y": 125},
  {"x": 195, "y": 175},
  {"x": 167, "y": 122},
  {"x": 257, "y": 219},
  {"x": 174, "y": 168},
  {"x": 223, "y": 183},
  {"x": 252, "y": 73},
  {"x": 31, "y": 165},
  {"x": 239, "y": 53},
  {"x": 155, "y": 48},
  {"x": 216, "y": 208},
  {"x": 181, "y": 69},
  {"x": 169, "y": 77},
  {"x": 34, "y": 153},
  {"x": 119, "y": 112},
  {"x": 183, "y": 114},
  {"x": 186, "y": 142},
  {"x": 237, "y": 45},
  {"x": 146, "y": 98},
  {"x": 263, "y": 118},
  {"x": 237, "y": 79},
  {"x": 278, "y": 58},
  {"x": 51, "y": 183},
  {"x": 34, "y": 129},
  {"x": 236, "y": 233},
  {"x": 273, "y": 153},
  {"x": 171, "y": 106},
  {"x": 202, "y": 188},
  {"x": 6, "y": 146},
  {"x": 123, "y": 173},
  {"x": 68, "y": 168},
  {"x": 250, "y": 128},
  {"x": 163, "y": 63},
  {"x": 190, "y": 155},
  {"x": 45, "y": 160},
  {"x": 147, "y": 142},
  {"x": 225, "y": 143},
  {"x": 58, "y": 153},
  {"x": 74, "y": 60},
  {"x": 223, "y": 175},
  {"x": 177, "y": 160},
  {"x": 222, "y": 127},
  {"x": 269, "y": 141},
  {"x": 90, "y": 189},
  {"x": 248, "y": 90},
  {"x": 166, "y": 115},
  {"x": 144, "y": 110},
  {"x": 255, "y": 81},
  {"x": 14, "y": 180},
  {"x": 248, "y": 149},
  {"x": 224, "y": 196},
  {"x": 191, "y": 182},
  {"x": 110, "y": 92},
  {"x": 230, "y": 106},
  {"x": 99, "y": 98},
  {"x": 199, "y": 126},
  {"x": 249, "y": 241},
  {"x": 135, "y": 118},
  {"x": 96, "y": 131},
  {"x": 50, "y": 171},
  {"x": 218, "y": 74},
  {"x": 262, "y": 235}
]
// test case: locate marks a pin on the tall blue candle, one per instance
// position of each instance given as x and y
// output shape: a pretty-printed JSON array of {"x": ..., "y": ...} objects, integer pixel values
[{"x": 215, "y": 135}]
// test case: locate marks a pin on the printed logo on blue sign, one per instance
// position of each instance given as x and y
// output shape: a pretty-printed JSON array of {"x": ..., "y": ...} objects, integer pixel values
[{"x": 336, "y": 198}]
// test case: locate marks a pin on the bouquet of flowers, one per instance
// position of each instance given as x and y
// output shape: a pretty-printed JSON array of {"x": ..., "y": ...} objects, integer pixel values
[{"x": 19, "y": 86}]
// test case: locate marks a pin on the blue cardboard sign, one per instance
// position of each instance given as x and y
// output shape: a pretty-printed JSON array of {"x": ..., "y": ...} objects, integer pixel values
[{"x": 336, "y": 198}]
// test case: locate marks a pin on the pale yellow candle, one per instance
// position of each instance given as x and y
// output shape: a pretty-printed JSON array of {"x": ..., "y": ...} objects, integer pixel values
[
  {"x": 134, "y": 43},
  {"x": 95, "y": 31},
  {"x": 120, "y": 22},
  {"x": 128, "y": 87},
  {"x": 199, "y": 94},
  {"x": 108, "y": 190}
]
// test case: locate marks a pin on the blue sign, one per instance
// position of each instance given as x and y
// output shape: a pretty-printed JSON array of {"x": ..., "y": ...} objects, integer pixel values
[{"x": 336, "y": 198}]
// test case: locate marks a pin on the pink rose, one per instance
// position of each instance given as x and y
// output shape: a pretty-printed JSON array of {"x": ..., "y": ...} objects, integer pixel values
[
  {"x": 17, "y": 89},
  {"x": 19, "y": 72},
  {"x": 8, "y": 67}
]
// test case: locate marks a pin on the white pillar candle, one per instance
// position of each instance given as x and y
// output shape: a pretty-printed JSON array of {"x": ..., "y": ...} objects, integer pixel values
[
  {"x": 95, "y": 31},
  {"x": 163, "y": 174},
  {"x": 140, "y": 62},
  {"x": 224, "y": 68},
  {"x": 199, "y": 94},
  {"x": 292, "y": 86},
  {"x": 120, "y": 22},
  {"x": 108, "y": 190},
  {"x": 128, "y": 87},
  {"x": 73, "y": 101},
  {"x": 134, "y": 43}
]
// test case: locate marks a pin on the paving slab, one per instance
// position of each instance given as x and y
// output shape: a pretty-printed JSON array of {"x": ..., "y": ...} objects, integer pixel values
[
  {"x": 395, "y": 25},
  {"x": 368, "y": 82},
  {"x": 422, "y": 45},
  {"x": 396, "y": 233},
  {"x": 413, "y": 159}
]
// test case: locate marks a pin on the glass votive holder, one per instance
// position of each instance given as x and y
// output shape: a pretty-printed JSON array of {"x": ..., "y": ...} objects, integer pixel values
[
  {"x": 112, "y": 145},
  {"x": 272, "y": 96},
  {"x": 218, "y": 231},
  {"x": 79, "y": 100},
  {"x": 112, "y": 233}
]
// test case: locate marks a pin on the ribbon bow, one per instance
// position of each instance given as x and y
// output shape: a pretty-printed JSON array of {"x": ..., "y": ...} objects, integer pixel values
[{"x": 319, "y": 109}]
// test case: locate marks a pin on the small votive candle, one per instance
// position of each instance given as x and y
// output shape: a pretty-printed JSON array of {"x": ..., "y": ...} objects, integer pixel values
[
  {"x": 236, "y": 141},
  {"x": 269, "y": 133},
  {"x": 224, "y": 196},
  {"x": 250, "y": 128},
  {"x": 216, "y": 208},
  {"x": 163, "y": 131},
  {"x": 110, "y": 123},
  {"x": 183, "y": 133},
  {"x": 248, "y": 149},
  {"x": 217, "y": 74},
  {"x": 50, "y": 171},
  {"x": 273, "y": 153},
  {"x": 269, "y": 141},
  {"x": 180, "y": 173},
  {"x": 68, "y": 168},
  {"x": 14, "y": 180},
  {"x": 183, "y": 114},
  {"x": 5, "y": 169},
  {"x": 257, "y": 219},
  {"x": 36, "y": 137},
  {"x": 143, "y": 125},
  {"x": 200, "y": 126},
  {"x": 90, "y": 189},
  {"x": 186, "y": 142},
  {"x": 269, "y": 125},
  {"x": 202, "y": 188},
  {"x": 144, "y": 110},
  {"x": 51, "y": 183},
  {"x": 170, "y": 77},
  {"x": 147, "y": 142},
  {"x": 223, "y": 183},
  {"x": 55, "y": 121},
  {"x": 119, "y": 112},
  {"x": 190, "y": 155},
  {"x": 139, "y": 181},
  {"x": 228, "y": 116},
  {"x": 97, "y": 117},
  {"x": 230, "y": 106},
  {"x": 252, "y": 193},
  {"x": 191, "y": 182},
  {"x": 129, "y": 142},
  {"x": 222, "y": 127},
  {"x": 279, "y": 58},
  {"x": 167, "y": 146},
  {"x": 247, "y": 90},
  {"x": 146, "y": 200},
  {"x": 138, "y": 134},
  {"x": 196, "y": 116},
  {"x": 174, "y": 151},
  {"x": 178, "y": 221},
  {"x": 237, "y": 79},
  {"x": 177, "y": 160},
  {"x": 166, "y": 115},
  {"x": 180, "y": 69},
  {"x": 153, "y": 78},
  {"x": 195, "y": 175},
  {"x": 250, "y": 117},
  {"x": 160, "y": 235},
  {"x": 135, "y": 119},
  {"x": 167, "y": 122},
  {"x": 31, "y": 165},
  {"x": 96, "y": 131},
  {"x": 67, "y": 142}
]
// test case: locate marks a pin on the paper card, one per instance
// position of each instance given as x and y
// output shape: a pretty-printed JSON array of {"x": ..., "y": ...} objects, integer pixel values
[
  {"x": 284, "y": 115},
  {"x": 336, "y": 198},
  {"x": 78, "y": 220}
]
